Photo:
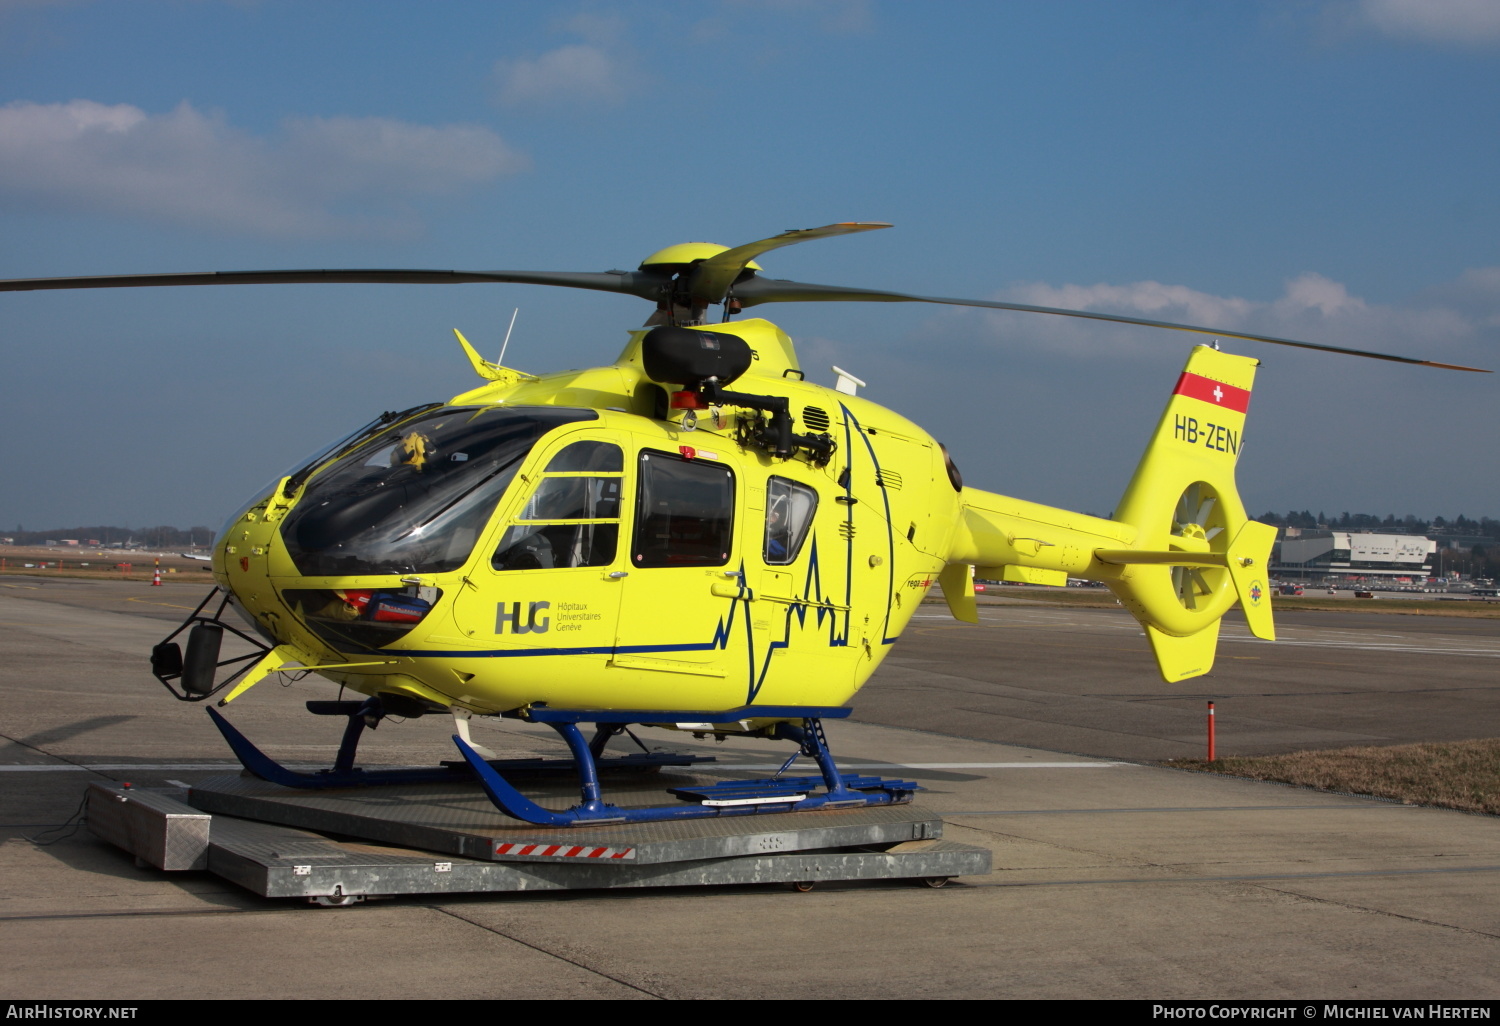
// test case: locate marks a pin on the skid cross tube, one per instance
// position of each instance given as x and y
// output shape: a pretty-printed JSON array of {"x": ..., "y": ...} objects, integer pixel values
[
  {"x": 725, "y": 798},
  {"x": 729, "y": 798},
  {"x": 368, "y": 714},
  {"x": 344, "y": 773},
  {"x": 516, "y": 805},
  {"x": 364, "y": 714},
  {"x": 814, "y": 744}
]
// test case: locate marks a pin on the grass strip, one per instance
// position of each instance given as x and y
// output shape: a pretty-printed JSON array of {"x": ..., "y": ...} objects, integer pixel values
[{"x": 1451, "y": 774}]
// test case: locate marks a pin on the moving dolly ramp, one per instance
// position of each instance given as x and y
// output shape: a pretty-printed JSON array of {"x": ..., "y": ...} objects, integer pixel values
[{"x": 277, "y": 860}]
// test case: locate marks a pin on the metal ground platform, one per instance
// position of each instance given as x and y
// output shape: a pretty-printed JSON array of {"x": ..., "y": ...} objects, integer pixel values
[{"x": 339, "y": 846}]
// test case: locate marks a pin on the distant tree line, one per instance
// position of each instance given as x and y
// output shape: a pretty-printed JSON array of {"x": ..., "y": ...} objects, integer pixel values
[
  {"x": 1484, "y": 527},
  {"x": 146, "y": 537}
]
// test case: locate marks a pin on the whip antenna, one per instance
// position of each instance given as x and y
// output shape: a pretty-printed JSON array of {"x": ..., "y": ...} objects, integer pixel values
[{"x": 508, "y": 330}]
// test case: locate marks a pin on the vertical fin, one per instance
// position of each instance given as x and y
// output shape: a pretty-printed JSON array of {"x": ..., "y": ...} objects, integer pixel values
[{"x": 1249, "y": 562}]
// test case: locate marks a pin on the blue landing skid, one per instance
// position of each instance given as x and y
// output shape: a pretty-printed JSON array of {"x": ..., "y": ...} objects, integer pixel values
[
  {"x": 755, "y": 792},
  {"x": 345, "y": 774},
  {"x": 737, "y": 798}
]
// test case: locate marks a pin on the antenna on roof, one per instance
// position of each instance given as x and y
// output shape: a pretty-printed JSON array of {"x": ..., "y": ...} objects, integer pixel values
[
  {"x": 501, "y": 361},
  {"x": 847, "y": 383}
]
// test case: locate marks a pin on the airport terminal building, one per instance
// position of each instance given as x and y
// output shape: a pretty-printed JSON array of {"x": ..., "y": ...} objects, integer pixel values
[{"x": 1315, "y": 555}]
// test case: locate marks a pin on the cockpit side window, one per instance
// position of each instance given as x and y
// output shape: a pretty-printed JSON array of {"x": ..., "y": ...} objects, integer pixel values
[
  {"x": 572, "y": 518},
  {"x": 789, "y": 513},
  {"x": 684, "y": 512},
  {"x": 414, "y": 498},
  {"x": 581, "y": 457}
]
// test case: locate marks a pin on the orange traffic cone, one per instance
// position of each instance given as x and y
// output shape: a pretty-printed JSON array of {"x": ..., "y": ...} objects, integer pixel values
[{"x": 156, "y": 576}]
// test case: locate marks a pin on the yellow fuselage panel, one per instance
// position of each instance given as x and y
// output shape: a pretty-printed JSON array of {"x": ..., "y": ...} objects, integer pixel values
[{"x": 752, "y": 630}]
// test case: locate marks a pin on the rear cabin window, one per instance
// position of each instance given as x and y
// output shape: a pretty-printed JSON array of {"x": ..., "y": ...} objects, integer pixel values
[
  {"x": 572, "y": 518},
  {"x": 684, "y": 512},
  {"x": 789, "y": 513}
]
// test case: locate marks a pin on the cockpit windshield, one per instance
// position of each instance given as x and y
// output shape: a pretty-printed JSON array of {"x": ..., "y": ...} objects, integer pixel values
[{"x": 413, "y": 499}]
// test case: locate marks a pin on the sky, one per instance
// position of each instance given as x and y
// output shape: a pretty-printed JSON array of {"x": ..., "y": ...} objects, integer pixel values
[{"x": 1321, "y": 169}]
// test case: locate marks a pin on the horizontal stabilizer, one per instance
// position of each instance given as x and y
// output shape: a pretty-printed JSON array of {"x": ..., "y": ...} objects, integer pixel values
[{"x": 1128, "y": 557}]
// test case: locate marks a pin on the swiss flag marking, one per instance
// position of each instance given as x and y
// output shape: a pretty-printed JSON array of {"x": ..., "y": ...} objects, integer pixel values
[{"x": 1195, "y": 386}]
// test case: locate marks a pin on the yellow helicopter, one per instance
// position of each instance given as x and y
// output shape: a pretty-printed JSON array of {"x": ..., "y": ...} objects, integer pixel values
[{"x": 694, "y": 536}]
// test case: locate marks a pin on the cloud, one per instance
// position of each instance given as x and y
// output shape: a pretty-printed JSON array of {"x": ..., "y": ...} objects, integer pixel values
[
  {"x": 1056, "y": 409},
  {"x": 1149, "y": 299},
  {"x": 594, "y": 72},
  {"x": 1462, "y": 22},
  {"x": 1448, "y": 324},
  {"x": 1476, "y": 294},
  {"x": 317, "y": 176},
  {"x": 580, "y": 73}
]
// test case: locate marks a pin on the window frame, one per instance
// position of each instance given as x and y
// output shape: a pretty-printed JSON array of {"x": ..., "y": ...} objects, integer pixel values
[
  {"x": 806, "y": 527},
  {"x": 532, "y": 527},
  {"x": 638, "y": 549}
]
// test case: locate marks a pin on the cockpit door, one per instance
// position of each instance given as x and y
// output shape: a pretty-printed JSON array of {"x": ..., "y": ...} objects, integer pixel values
[
  {"x": 550, "y": 582},
  {"x": 684, "y": 617}
]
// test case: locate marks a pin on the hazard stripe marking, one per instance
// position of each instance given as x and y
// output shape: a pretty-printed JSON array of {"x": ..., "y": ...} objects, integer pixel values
[
  {"x": 1207, "y": 390},
  {"x": 561, "y": 851}
]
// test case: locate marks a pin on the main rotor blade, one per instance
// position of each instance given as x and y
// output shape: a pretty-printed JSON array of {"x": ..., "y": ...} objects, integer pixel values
[
  {"x": 773, "y": 290},
  {"x": 718, "y": 272},
  {"x": 635, "y": 283}
]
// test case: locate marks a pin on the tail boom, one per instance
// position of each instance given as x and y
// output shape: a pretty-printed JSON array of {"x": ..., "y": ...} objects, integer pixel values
[{"x": 1180, "y": 550}]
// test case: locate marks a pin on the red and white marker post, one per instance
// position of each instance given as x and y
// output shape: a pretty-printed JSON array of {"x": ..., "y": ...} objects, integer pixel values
[{"x": 1211, "y": 752}]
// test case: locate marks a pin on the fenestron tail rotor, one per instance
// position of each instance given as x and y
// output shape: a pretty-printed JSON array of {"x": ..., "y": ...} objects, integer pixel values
[
  {"x": 1198, "y": 527},
  {"x": 682, "y": 281}
]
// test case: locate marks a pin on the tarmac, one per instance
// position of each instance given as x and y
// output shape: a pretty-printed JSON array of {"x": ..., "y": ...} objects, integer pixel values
[
  {"x": 1032, "y": 733},
  {"x": 1084, "y": 680}
]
